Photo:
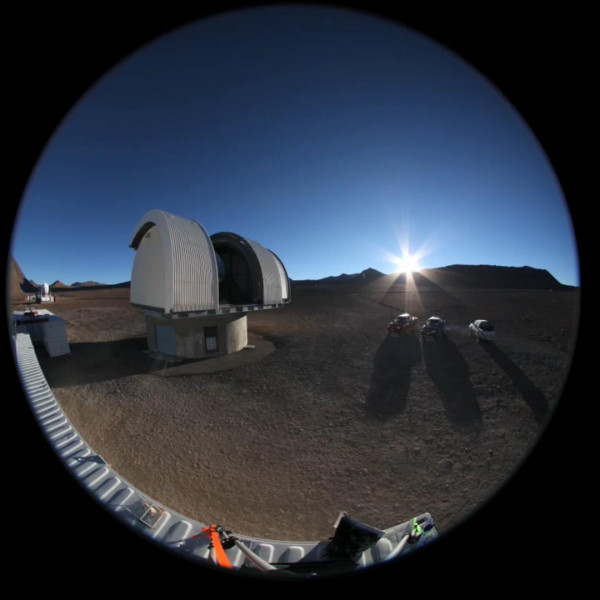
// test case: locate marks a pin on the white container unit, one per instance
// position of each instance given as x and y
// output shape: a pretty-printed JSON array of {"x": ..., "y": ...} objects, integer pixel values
[{"x": 45, "y": 328}]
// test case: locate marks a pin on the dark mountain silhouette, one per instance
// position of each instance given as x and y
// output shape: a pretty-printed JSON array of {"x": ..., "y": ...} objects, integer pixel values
[
  {"x": 492, "y": 276},
  {"x": 93, "y": 285},
  {"x": 87, "y": 284},
  {"x": 18, "y": 284},
  {"x": 453, "y": 276},
  {"x": 363, "y": 277}
]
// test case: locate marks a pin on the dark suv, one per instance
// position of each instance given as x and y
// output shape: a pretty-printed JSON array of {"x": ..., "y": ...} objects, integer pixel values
[{"x": 402, "y": 322}]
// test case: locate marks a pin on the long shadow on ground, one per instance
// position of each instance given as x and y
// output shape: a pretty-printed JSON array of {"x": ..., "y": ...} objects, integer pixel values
[
  {"x": 449, "y": 371},
  {"x": 97, "y": 361},
  {"x": 390, "y": 380},
  {"x": 531, "y": 394}
]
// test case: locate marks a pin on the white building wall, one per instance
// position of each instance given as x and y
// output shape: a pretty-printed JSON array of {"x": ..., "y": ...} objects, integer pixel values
[
  {"x": 46, "y": 329},
  {"x": 273, "y": 275},
  {"x": 148, "y": 275},
  {"x": 283, "y": 280},
  {"x": 186, "y": 338},
  {"x": 188, "y": 262},
  {"x": 195, "y": 283}
]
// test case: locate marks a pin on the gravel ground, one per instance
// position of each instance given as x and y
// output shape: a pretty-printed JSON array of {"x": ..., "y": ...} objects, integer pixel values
[{"x": 338, "y": 416}]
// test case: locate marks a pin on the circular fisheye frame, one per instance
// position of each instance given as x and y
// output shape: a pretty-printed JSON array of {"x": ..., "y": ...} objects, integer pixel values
[{"x": 293, "y": 291}]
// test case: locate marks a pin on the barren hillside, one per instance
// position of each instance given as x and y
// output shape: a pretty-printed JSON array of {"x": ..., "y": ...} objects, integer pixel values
[{"x": 18, "y": 284}]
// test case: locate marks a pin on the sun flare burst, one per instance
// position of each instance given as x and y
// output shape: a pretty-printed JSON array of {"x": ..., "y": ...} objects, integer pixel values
[{"x": 408, "y": 263}]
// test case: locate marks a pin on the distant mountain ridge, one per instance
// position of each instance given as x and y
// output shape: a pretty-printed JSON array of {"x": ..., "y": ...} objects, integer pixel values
[
  {"x": 453, "y": 276},
  {"x": 87, "y": 284},
  {"x": 18, "y": 284},
  {"x": 492, "y": 276},
  {"x": 364, "y": 276}
]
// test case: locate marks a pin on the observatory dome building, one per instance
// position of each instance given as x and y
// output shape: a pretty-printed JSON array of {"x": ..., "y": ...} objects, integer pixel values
[{"x": 197, "y": 289}]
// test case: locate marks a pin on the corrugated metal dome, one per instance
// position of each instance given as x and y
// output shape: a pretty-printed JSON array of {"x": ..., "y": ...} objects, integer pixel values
[
  {"x": 178, "y": 268},
  {"x": 251, "y": 270},
  {"x": 175, "y": 268}
]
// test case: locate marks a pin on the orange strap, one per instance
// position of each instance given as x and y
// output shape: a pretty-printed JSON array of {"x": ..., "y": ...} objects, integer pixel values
[{"x": 222, "y": 559}]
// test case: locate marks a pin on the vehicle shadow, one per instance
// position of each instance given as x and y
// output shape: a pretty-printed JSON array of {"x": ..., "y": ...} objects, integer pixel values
[
  {"x": 532, "y": 395},
  {"x": 449, "y": 371},
  {"x": 390, "y": 380},
  {"x": 92, "y": 362}
]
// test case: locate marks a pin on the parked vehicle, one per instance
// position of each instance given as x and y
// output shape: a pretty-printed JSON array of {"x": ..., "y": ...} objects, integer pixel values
[
  {"x": 402, "y": 322},
  {"x": 482, "y": 329},
  {"x": 433, "y": 327}
]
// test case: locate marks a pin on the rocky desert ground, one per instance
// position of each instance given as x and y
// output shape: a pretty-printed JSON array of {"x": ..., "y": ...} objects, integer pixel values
[{"x": 333, "y": 414}]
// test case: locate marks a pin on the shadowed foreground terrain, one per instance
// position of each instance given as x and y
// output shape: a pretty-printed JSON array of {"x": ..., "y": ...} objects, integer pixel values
[{"x": 338, "y": 416}]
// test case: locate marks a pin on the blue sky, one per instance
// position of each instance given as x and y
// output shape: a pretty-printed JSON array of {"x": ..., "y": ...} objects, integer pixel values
[{"x": 332, "y": 137}]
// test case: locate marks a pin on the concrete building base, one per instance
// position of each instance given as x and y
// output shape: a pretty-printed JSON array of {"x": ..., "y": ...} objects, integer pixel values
[{"x": 197, "y": 337}]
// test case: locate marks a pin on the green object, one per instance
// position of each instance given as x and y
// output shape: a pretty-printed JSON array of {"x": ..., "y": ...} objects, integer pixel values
[{"x": 417, "y": 530}]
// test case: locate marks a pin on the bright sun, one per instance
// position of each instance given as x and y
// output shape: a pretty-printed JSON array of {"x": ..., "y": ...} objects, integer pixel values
[{"x": 409, "y": 263}]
